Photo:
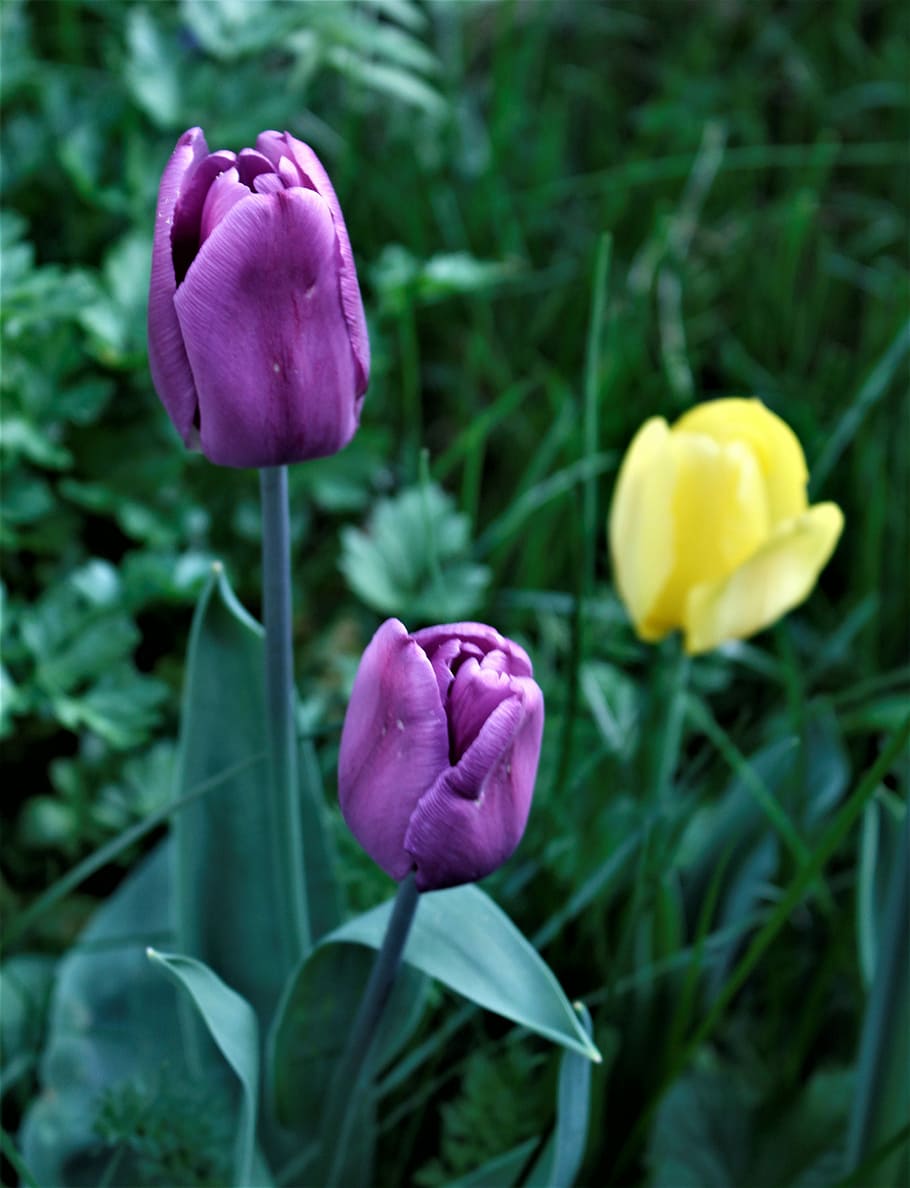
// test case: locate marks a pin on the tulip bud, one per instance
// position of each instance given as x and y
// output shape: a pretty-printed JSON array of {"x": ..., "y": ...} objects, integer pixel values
[
  {"x": 257, "y": 340},
  {"x": 710, "y": 528},
  {"x": 439, "y": 751}
]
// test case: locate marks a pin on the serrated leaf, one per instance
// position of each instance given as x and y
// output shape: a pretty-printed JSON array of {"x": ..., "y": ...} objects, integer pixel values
[{"x": 413, "y": 558}]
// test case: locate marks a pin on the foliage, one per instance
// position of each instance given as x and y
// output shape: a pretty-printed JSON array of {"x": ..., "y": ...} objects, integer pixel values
[
  {"x": 749, "y": 163},
  {"x": 166, "y": 1132}
]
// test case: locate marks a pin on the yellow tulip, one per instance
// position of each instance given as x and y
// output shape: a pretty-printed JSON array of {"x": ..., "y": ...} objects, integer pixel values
[{"x": 710, "y": 529}]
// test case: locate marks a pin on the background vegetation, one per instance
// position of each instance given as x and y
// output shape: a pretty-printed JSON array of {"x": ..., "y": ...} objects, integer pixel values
[{"x": 749, "y": 162}]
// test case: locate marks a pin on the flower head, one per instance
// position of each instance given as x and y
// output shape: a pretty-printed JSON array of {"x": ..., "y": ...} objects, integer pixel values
[
  {"x": 439, "y": 751},
  {"x": 710, "y": 528},
  {"x": 258, "y": 345}
]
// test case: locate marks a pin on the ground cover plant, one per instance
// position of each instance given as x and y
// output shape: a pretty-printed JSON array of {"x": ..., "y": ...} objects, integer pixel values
[{"x": 567, "y": 218}]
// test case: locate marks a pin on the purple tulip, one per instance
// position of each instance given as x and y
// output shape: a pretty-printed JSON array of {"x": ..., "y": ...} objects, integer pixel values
[
  {"x": 257, "y": 341},
  {"x": 439, "y": 751}
]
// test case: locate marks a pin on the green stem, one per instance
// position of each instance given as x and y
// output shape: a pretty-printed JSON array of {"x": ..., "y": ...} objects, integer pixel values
[
  {"x": 668, "y": 718},
  {"x": 283, "y": 786},
  {"x": 351, "y": 1072}
]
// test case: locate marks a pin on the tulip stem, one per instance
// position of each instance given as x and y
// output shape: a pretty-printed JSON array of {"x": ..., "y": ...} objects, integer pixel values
[
  {"x": 350, "y": 1076},
  {"x": 283, "y": 785}
]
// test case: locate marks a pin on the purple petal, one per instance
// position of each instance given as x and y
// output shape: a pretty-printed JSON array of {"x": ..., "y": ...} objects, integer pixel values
[
  {"x": 251, "y": 165},
  {"x": 168, "y": 361},
  {"x": 224, "y": 194},
  {"x": 447, "y": 657},
  {"x": 482, "y": 636},
  {"x": 185, "y": 233},
  {"x": 268, "y": 183},
  {"x": 274, "y": 145},
  {"x": 265, "y": 337},
  {"x": 393, "y": 745},
  {"x": 473, "y": 818},
  {"x": 474, "y": 695}
]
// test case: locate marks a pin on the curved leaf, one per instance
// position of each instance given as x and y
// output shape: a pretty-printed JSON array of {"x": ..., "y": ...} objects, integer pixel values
[
  {"x": 461, "y": 938},
  {"x": 312, "y": 1027},
  {"x": 232, "y": 1024}
]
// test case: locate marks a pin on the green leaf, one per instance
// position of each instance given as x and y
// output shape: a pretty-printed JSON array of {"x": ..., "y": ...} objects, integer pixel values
[
  {"x": 227, "y": 901},
  {"x": 231, "y": 906},
  {"x": 882, "y": 1101},
  {"x": 878, "y": 853},
  {"x": 152, "y": 74},
  {"x": 111, "y": 1021},
  {"x": 25, "y": 987},
  {"x": 322, "y": 889},
  {"x": 312, "y": 1026},
  {"x": 559, "y": 1163},
  {"x": 413, "y": 558},
  {"x": 461, "y": 938},
  {"x": 232, "y": 1024}
]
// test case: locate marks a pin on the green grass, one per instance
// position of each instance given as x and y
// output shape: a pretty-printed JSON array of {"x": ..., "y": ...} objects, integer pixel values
[{"x": 567, "y": 217}]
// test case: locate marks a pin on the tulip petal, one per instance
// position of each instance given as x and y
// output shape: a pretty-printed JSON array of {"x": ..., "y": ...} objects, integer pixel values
[
  {"x": 641, "y": 524},
  {"x": 393, "y": 745},
  {"x": 251, "y": 165},
  {"x": 224, "y": 193},
  {"x": 475, "y": 694},
  {"x": 778, "y": 577},
  {"x": 185, "y": 233},
  {"x": 274, "y": 145},
  {"x": 720, "y": 518},
  {"x": 168, "y": 361},
  {"x": 265, "y": 336},
  {"x": 485, "y": 638},
  {"x": 772, "y": 441},
  {"x": 473, "y": 818}
]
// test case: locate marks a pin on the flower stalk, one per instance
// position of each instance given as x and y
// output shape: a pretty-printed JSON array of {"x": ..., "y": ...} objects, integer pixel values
[
  {"x": 283, "y": 785},
  {"x": 351, "y": 1073}
]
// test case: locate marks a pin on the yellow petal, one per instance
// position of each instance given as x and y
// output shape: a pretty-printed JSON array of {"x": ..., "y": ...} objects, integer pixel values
[
  {"x": 719, "y": 519},
  {"x": 777, "y": 578},
  {"x": 773, "y": 443},
  {"x": 640, "y": 525}
]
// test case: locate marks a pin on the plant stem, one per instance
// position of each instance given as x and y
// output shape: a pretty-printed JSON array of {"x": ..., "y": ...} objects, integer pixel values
[
  {"x": 283, "y": 786},
  {"x": 351, "y": 1072}
]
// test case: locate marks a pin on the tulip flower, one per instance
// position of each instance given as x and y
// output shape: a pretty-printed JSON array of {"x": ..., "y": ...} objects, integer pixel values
[
  {"x": 257, "y": 339},
  {"x": 439, "y": 751},
  {"x": 710, "y": 528}
]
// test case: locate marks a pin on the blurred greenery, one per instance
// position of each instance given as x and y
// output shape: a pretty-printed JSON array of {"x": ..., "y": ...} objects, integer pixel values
[{"x": 750, "y": 163}]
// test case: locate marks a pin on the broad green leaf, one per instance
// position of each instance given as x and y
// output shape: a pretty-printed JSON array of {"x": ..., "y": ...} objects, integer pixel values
[
  {"x": 461, "y": 938},
  {"x": 560, "y": 1161},
  {"x": 111, "y": 1021},
  {"x": 231, "y": 905},
  {"x": 312, "y": 1027},
  {"x": 323, "y": 892},
  {"x": 232, "y": 1024}
]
